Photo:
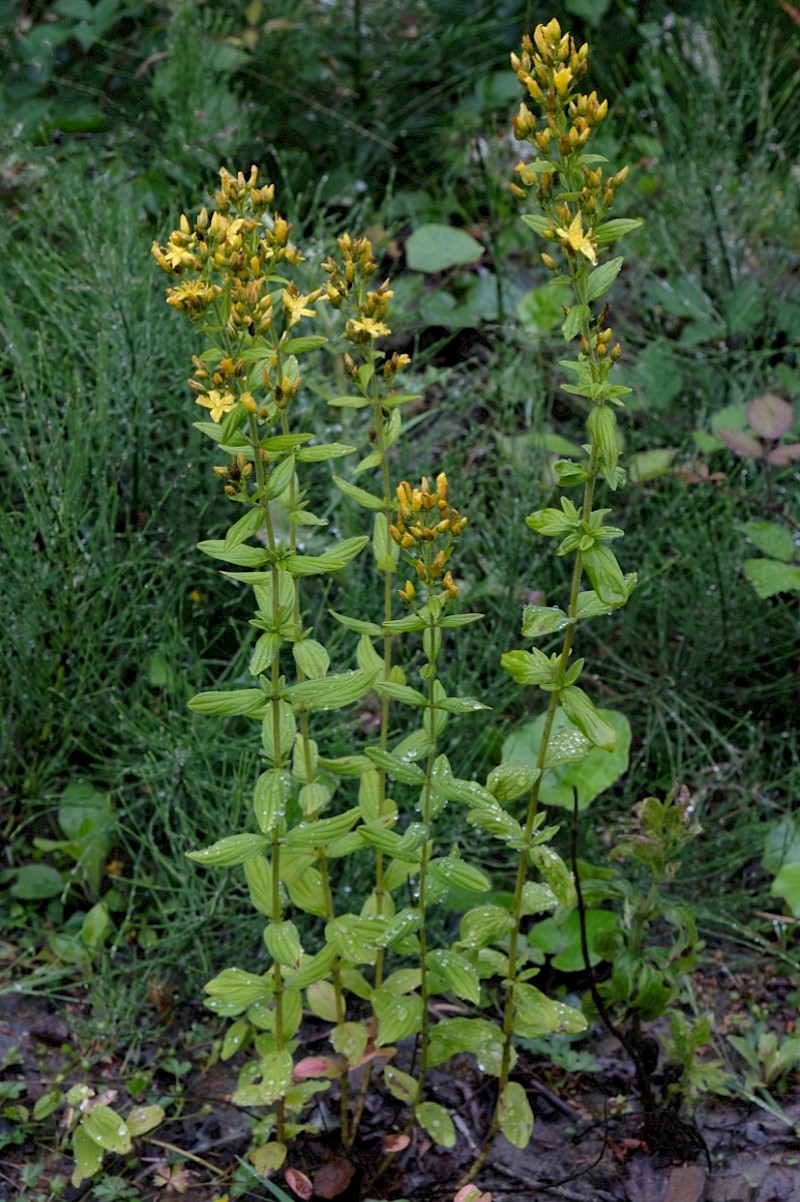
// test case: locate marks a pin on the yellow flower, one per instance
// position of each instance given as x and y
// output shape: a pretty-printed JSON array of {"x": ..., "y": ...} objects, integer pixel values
[
  {"x": 294, "y": 304},
  {"x": 192, "y": 295},
  {"x": 576, "y": 241},
  {"x": 562, "y": 79},
  {"x": 218, "y": 402},
  {"x": 359, "y": 329}
]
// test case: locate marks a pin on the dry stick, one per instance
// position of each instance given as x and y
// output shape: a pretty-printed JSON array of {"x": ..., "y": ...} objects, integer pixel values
[{"x": 633, "y": 1052}]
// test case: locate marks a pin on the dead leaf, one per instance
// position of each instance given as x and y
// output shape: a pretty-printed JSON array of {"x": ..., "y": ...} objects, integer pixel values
[
  {"x": 396, "y": 1142},
  {"x": 299, "y": 1183},
  {"x": 333, "y": 1178},
  {"x": 770, "y": 416},
  {"x": 315, "y": 1066}
]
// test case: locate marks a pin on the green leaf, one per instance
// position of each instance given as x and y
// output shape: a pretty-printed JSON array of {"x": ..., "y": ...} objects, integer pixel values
[
  {"x": 244, "y": 556},
  {"x": 400, "y": 692},
  {"x": 601, "y": 279},
  {"x": 787, "y": 886},
  {"x": 239, "y": 988},
  {"x": 317, "y": 833},
  {"x": 143, "y": 1119},
  {"x": 384, "y": 548},
  {"x": 398, "y": 1016},
  {"x": 35, "y": 882},
  {"x": 350, "y": 1041},
  {"x": 536, "y": 1015},
  {"x": 324, "y": 451},
  {"x": 227, "y": 852},
  {"x": 769, "y": 577},
  {"x": 272, "y": 791},
  {"x": 571, "y": 761},
  {"x": 562, "y": 940},
  {"x": 609, "y": 231},
  {"x": 399, "y": 769},
  {"x": 452, "y": 873},
  {"x": 321, "y": 997},
  {"x": 357, "y": 625},
  {"x": 583, "y": 713},
  {"x": 306, "y": 342},
  {"x": 574, "y": 321},
  {"x": 229, "y": 702},
  {"x": 46, "y": 1104},
  {"x": 332, "y": 692},
  {"x": 360, "y": 495},
  {"x": 538, "y": 224},
  {"x": 246, "y": 526},
  {"x": 107, "y": 1129},
  {"x": 476, "y": 1035},
  {"x": 459, "y": 973},
  {"x": 605, "y": 574},
  {"x": 283, "y": 944},
  {"x": 350, "y": 402},
  {"x": 537, "y": 898},
  {"x": 88, "y": 1156},
  {"x": 773, "y": 539},
  {"x": 483, "y": 925},
  {"x": 275, "y": 1071},
  {"x": 267, "y": 647},
  {"x": 433, "y": 248},
  {"x": 356, "y": 939},
  {"x": 538, "y": 620},
  {"x": 330, "y": 561},
  {"x": 434, "y": 1119},
  {"x": 400, "y": 1085},
  {"x": 508, "y": 782},
  {"x": 543, "y": 308},
  {"x": 515, "y": 1115},
  {"x": 311, "y": 658},
  {"x": 555, "y": 872}
]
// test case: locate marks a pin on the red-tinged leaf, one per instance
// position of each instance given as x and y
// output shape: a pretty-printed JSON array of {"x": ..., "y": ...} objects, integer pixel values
[
  {"x": 333, "y": 1178},
  {"x": 770, "y": 415},
  {"x": 783, "y": 455},
  {"x": 396, "y": 1142},
  {"x": 301, "y": 1184},
  {"x": 742, "y": 444},
  {"x": 471, "y": 1193},
  {"x": 315, "y": 1066}
]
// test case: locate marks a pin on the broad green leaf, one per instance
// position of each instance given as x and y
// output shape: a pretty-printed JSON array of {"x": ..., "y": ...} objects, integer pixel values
[
  {"x": 509, "y": 782},
  {"x": 283, "y": 943},
  {"x": 399, "y": 769},
  {"x": 543, "y": 308},
  {"x": 275, "y": 1079},
  {"x": 46, "y": 1104},
  {"x": 311, "y": 657},
  {"x": 400, "y": 1085},
  {"x": 400, "y": 692},
  {"x": 452, "y": 873},
  {"x": 350, "y": 1041},
  {"x": 350, "y": 402},
  {"x": 231, "y": 701},
  {"x": 787, "y": 886},
  {"x": 583, "y": 713},
  {"x": 476, "y": 1035},
  {"x": 238, "y": 987},
  {"x": 307, "y": 892},
  {"x": 308, "y": 836},
  {"x": 601, "y": 279},
  {"x": 538, "y": 620},
  {"x": 143, "y": 1119},
  {"x": 459, "y": 974},
  {"x": 247, "y": 525},
  {"x": 237, "y": 1037},
  {"x": 399, "y": 1016},
  {"x": 571, "y": 762},
  {"x": 313, "y": 798},
  {"x": 515, "y": 1115},
  {"x": 384, "y": 548},
  {"x": 536, "y": 1015},
  {"x": 356, "y": 624},
  {"x": 313, "y": 968},
  {"x": 577, "y": 317},
  {"x": 773, "y": 539},
  {"x": 330, "y": 692},
  {"x": 562, "y": 940},
  {"x": 609, "y": 231},
  {"x": 35, "y": 882},
  {"x": 330, "y": 561},
  {"x": 107, "y": 1129},
  {"x": 538, "y": 224},
  {"x": 605, "y": 574},
  {"x": 306, "y": 342},
  {"x": 483, "y": 925},
  {"x": 497, "y": 822},
  {"x": 360, "y": 495},
  {"x": 244, "y": 556},
  {"x": 356, "y": 939},
  {"x": 555, "y": 872},
  {"x": 437, "y": 1122},
  {"x": 321, "y": 997},
  {"x": 537, "y": 898},
  {"x": 88, "y": 1156},
  {"x": 227, "y": 852},
  {"x": 770, "y": 577},
  {"x": 324, "y": 451},
  {"x": 434, "y": 247},
  {"x": 267, "y": 647},
  {"x": 272, "y": 791}
]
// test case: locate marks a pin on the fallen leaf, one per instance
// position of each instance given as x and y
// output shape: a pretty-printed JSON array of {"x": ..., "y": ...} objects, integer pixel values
[
  {"x": 298, "y": 1182},
  {"x": 333, "y": 1178},
  {"x": 396, "y": 1142},
  {"x": 315, "y": 1066}
]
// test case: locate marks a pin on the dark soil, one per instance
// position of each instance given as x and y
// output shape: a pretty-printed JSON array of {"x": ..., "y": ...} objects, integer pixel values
[{"x": 587, "y": 1144}]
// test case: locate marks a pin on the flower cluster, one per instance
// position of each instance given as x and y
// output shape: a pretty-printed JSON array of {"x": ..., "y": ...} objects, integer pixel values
[
  {"x": 366, "y": 308},
  {"x": 226, "y": 265},
  {"x": 426, "y": 527}
]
